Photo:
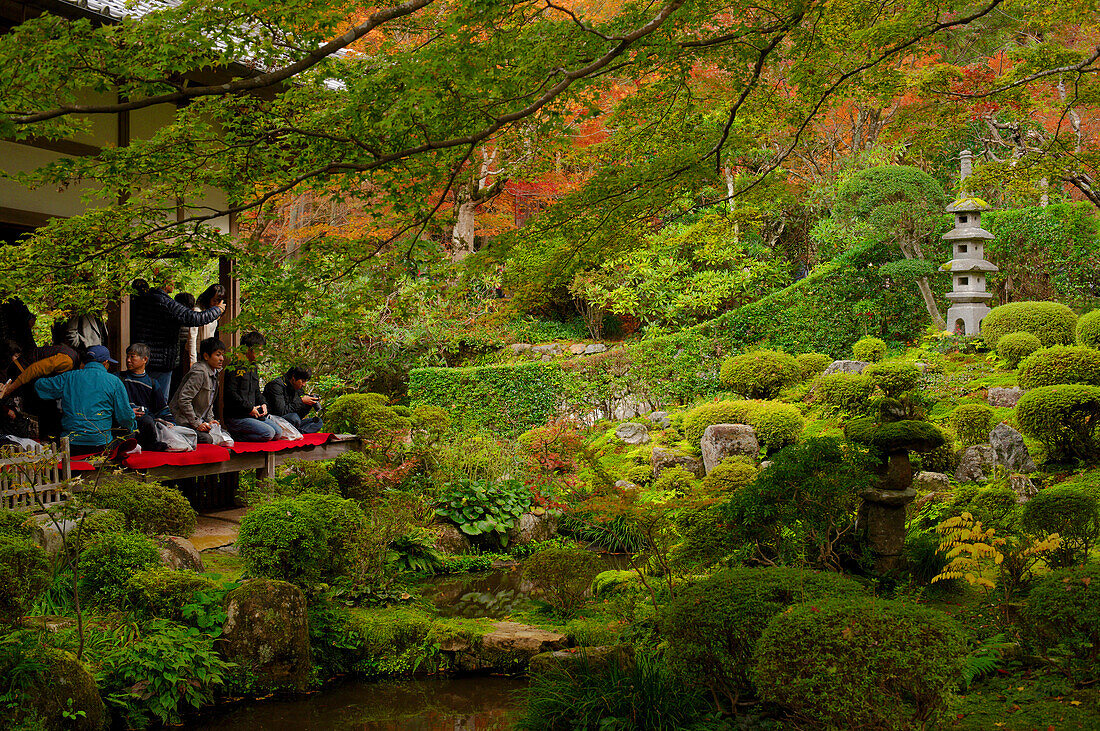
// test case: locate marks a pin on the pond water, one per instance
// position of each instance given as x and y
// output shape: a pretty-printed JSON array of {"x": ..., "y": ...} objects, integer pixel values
[{"x": 485, "y": 703}]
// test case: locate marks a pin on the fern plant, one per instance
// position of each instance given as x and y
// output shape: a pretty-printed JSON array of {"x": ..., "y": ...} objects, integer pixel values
[
  {"x": 985, "y": 658},
  {"x": 972, "y": 550}
]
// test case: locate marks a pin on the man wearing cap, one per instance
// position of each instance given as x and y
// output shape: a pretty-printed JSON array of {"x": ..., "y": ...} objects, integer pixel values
[{"x": 92, "y": 401}]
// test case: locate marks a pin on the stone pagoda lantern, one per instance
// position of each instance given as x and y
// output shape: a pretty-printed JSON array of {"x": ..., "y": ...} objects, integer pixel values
[{"x": 968, "y": 267}]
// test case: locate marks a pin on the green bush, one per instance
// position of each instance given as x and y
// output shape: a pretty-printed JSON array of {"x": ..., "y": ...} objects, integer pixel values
[
  {"x": 24, "y": 575},
  {"x": 811, "y": 364},
  {"x": 1060, "y": 365},
  {"x": 107, "y": 563},
  {"x": 860, "y": 662},
  {"x": 563, "y": 576},
  {"x": 1064, "y": 419},
  {"x": 760, "y": 374},
  {"x": 353, "y": 472},
  {"x": 315, "y": 477},
  {"x": 432, "y": 420},
  {"x": 1063, "y": 613},
  {"x": 287, "y": 540},
  {"x": 705, "y": 539},
  {"x": 1070, "y": 511},
  {"x": 712, "y": 625},
  {"x": 368, "y": 415},
  {"x": 639, "y": 474},
  {"x": 149, "y": 507},
  {"x": 162, "y": 592},
  {"x": 675, "y": 480},
  {"x": 869, "y": 350},
  {"x": 777, "y": 424},
  {"x": 996, "y": 507},
  {"x": 506, "y": 399},
  {"x": 1053, "y": 323},
  {"x": 730, "y": 474},
  {"x": 1014, "y": 347},
  {"x": 717, "y": 412},
  {"x": 847, "y": 392},
  {"x": 346, "y": 528},
  {"x": 972, "y": 423},
  {"x": 1088, "y": 330},
  {"x": 894, "y": 378},
  {"x": 481, "y": 508},
  {"x": 14, "y": 523}
]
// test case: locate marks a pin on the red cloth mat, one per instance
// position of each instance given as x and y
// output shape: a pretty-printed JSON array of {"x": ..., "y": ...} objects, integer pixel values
[
  {"x": 203, "y": 454},
  {"x": 79, "y": 465},
  {"x": 278, "y": 445}
]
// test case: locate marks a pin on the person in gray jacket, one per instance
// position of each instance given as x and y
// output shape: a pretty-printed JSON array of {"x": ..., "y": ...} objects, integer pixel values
[{"x": 193, "y": 404}]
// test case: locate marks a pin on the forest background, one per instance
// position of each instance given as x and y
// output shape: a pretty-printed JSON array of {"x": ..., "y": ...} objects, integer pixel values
[{"x": 421, "y": 183}]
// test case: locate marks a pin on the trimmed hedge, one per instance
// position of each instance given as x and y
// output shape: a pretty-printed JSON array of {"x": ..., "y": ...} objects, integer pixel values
[
  {"x": 1014, "y": 347},
  {"x": 846, "y": 391},
  {"x": 713, "y": 625},
  {"x": 1073, "y": 513},
  {"x": 869, "y": 350},
  {"x": 1088, "y": 330},
  {"x": 811, "y": 364},
  {"x": 895, "y": 377},
  {"x": 760, "y": 374},
  {"x": 1064, "y": 419},
  {"x": 1052, "y": 322},
  {"x": 972, "y": 423},
  {"x": 730, "y": 474},
  {"x": 1060, "y": 364},
  {"x": 776, "y": 424},
  {"x": 507, "y": 399},
  {"x": 860, "y": 662}
]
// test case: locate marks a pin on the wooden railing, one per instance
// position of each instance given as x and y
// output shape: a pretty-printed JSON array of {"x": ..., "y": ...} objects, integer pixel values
[{"x": 35, "y": 480}]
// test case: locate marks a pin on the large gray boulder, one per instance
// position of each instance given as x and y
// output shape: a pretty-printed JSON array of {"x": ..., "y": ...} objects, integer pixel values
[
  {"x": 976, "y": 463},
  {"x": 728, "y": 440},
  {"x": 660, "y": 419},
  {"x": 593, "y": 348},
  {"x": 662, "y": 459},
  {"x": 65, "y": 698},
  {"x": 931, "y": 482},
  {"x": 508, "y": 647},
  {"x": 532, "y": 528},
  {"x": 266, "y": 633},
  {"x": 583, "y": 660},
  {"x": 845, "y": 366},
  {"x": 632, "y": 433},
  {"x": 1010, "y": 450},
  {"x": 179, "y": 553},
  {"x": 1004, "y": 397},
  {"x": 449, "y": 539}
]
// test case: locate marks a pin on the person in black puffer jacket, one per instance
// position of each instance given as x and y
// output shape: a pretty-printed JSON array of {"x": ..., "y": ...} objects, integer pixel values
[{"x": 157, "y": 319}]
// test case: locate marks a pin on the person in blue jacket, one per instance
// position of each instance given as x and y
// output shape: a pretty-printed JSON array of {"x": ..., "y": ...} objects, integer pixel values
[{"x": 92, "y": 401}]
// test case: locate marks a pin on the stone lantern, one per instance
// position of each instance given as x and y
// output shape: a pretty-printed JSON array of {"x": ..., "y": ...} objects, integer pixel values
[{"x": 968, "y": 268}]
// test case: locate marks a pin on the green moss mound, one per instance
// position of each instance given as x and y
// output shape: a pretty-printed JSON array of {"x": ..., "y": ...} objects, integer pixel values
[
  {"x": 1051, "y": 322},
  {"x": 1064, "y": 419},
  {"x": 713, "y": 624},
  {"x": 760, "y": 374},
  {"x": 1014, "y": 347},
  {"x": 1060, "y": 365},
  {"x": 908, "y": 434},
  {"x": 860, "y": 662},
  {"x": 149, "y": 507},
  {"x": 730, "y": 474},
  {"x": 869, "y": 350}
]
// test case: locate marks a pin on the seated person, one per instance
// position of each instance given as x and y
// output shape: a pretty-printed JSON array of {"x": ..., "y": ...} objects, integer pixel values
[
  {"x": 27, "y": 366},
  {"x": 245, "y": 410},
  {"x": 284, "y": 398},
  {"x": 92, "y": 401},
  {"x": 193, "y": 404},
  {"x": 146, "y": 401}
]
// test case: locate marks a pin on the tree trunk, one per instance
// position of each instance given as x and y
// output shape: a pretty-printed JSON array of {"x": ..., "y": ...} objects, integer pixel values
[{"x": 930, "y": 303}]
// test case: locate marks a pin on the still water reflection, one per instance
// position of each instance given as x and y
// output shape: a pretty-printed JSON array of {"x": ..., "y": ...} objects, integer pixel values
[{"x": 432, "y": 704}]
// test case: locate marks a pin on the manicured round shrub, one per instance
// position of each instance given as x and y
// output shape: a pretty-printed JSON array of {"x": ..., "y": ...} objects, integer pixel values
[
  {"x": 563, "y": 575},
  {"x": 1052, "y": 322},
  {"x": 730, "y": 474},
  {"x": 910, "y": 434},
  {"x": 712, "y": 625},
  {"x": 1014, "y": 347},
  {"x": 163, "y": 592},
  {"x": 433, "y": 421},
  {"x": 24, "y": 575},
  {"x": 1063, "y": 611},
  {"x": 777, "y": 424},
  {"x": 315, "y": 477},
  {"x": 354, "y": 476},
  {"x": 346, "y": 527},
  {"x": 760, "y": 374},
  {"x": 368, "y": 415},
  {"x": 1058, "y": 365},
  {"x": 675, "y": 479},
  {"x": 107, "y": 563},
  {"x": 718, "y": 412},
  {"x": 1064, "y": 419},
  {"x": 1088, "y": 330},
  {"x": 286, "y": 540},
  {"x": 149, "y": 507},
  {"x": 996, "y": 507},
  {"x": 811, "y": 364},
  {"x": 869, "y": 350},
  {"x": 846, "y": 391},
  {"x": 972, "y": 423},
  {"x": 1073, "y": 513},
  {"x": 860, "y": 662},
  {"x": 895, "y": 377}
]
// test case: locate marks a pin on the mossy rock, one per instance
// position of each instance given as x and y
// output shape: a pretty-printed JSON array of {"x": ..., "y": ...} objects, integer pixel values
[
  {"x": 64, "y": 678},
  {"x": 266, "y": 633},
  {"x": 907, "y": 434}
]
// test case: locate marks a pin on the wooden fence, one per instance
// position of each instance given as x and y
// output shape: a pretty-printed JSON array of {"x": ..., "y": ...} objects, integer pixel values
[{"x": 35, "y": 480}]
